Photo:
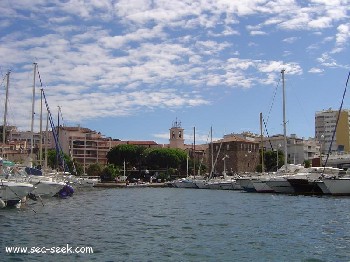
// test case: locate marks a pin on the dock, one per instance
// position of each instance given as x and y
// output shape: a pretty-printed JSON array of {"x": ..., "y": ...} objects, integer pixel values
[{"x": 131, "y": 185}]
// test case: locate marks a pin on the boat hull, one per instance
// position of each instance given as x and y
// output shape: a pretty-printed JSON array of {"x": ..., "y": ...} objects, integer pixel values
[
  {"x": 304, "y": 186},
  {"x": 184, "y": 184},
  {"x": 246, "y": 184},
  {"x": 262, "y": 187},
  {"x": 201, "y": 184},
  {"x": 338, "y": 187},
  {"x": 281, "y": 186},
  {"x": 13, "y": 192}
]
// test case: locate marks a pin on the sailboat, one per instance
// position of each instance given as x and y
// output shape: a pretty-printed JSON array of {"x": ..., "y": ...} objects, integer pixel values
[
  {"x": 11, "y": 192},
  {"x": 255, "y": 182},
  {"x": 45, "y": 185},
  {"x": 278, "y": 182},
  {"x": 203, "y": 183},
  {"x": 188, "y": 182},
  {"x": 336, "y": 185}
]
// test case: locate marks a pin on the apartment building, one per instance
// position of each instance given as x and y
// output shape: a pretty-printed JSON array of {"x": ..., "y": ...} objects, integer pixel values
[
  {"x": 325, "y": 124},
  {"x": 84, "y": 145}
]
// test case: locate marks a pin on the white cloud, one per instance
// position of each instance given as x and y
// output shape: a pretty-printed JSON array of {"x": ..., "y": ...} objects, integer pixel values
[
  {"x": 108, "y": 58},
  {"x": 327, "y": 61},
  {"x": 257, "y": 33},
  {"x": 291, "y": 40},
  {"x": 316, "y": 70},
  {"x": 343, "y": 35}
]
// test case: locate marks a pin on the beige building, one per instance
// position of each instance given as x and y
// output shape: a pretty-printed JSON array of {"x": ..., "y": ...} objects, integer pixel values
[{"x": 325, "y": 124}]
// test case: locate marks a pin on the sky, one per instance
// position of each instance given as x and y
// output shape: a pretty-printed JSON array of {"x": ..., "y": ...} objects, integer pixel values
[{"x": 130, "y": 68}]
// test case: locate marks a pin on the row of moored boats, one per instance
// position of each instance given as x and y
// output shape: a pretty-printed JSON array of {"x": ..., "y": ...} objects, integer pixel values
[
  {"x": 19, "y": 183},
  {"x": 289, "y": 179}
]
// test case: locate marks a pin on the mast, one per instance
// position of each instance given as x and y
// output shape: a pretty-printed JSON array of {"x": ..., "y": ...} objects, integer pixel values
[
  {"x": 284, "y": 122},
  {"x": 5, "y": 113},
  {"x": 46, "y": 138},
  {"x": 187, "y": 166},
  {"x": 41, "y": 128},
  {"x": 262, "y": 144},
  {"x": 58, "y": 138},
  {"x": 33, "y": 101},
  {"x": 194, "y": 151},
  {"x": 212, "y": 151}
]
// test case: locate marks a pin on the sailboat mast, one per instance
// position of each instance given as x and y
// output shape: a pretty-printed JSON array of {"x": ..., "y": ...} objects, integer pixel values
[
  {"x": 5, "y": 113},
  {"x": 212, "y": 151},
  {"x": 194, "y": 151},
  {"x": 33, "y": 101},
  {"x": 284, "y": 122},
  {"x": 41, "y": 128},
  {"x": 262, "y": 143}
]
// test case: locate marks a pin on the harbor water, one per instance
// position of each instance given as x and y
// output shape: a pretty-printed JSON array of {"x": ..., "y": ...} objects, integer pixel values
[{"x": 174, "y": 224}]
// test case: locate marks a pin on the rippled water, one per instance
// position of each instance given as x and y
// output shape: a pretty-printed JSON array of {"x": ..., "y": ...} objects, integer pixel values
[{"x": 170, "y": 224}]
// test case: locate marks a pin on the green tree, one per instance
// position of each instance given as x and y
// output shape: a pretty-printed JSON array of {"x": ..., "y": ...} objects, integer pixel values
[
  {"x": 270, "y": 160},
  {"x": 94, "y": 169},
  {"x": 53, "y": 164},
  {"x": 165, "y": 158},
  {"x": 109, "y": 173},
  {"x": 131, "y": 154}
]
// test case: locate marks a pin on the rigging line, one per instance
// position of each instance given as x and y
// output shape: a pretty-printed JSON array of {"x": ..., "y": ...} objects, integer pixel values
[
  {"x": 273, "y": 99},
  {"x": 336, "y": 124},
  {"x": 300, "y": 106},
  {"x": 267, "y": 133},
  {"x": 59, "y": 150},
  {"x": 41, "y": 83}
]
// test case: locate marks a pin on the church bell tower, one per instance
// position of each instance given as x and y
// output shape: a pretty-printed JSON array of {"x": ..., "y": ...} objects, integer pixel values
[{"x": 176, "y": 139}]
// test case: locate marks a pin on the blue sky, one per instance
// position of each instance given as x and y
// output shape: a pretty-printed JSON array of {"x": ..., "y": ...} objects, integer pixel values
[{"x": 128, "y": 69}]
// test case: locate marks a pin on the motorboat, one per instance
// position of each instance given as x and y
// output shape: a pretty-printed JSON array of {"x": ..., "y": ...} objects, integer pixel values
[{"x": 12, "y": 192}]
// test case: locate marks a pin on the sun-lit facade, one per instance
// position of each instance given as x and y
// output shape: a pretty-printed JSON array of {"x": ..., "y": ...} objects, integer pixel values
[{"x": 326, "y": 131}]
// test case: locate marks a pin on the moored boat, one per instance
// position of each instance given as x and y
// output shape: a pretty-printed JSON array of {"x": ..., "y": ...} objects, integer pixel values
[
  {"x": 184, "y": 183},
  {"x": 338, "y": 186},
  {"x": 11, "y": 192}
]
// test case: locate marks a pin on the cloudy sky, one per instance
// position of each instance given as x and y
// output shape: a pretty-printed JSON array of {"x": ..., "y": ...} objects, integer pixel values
[{"x": 130, "y": 68}]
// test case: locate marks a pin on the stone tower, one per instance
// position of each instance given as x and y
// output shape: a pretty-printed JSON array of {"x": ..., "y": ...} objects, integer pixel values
[{"x": 176, "y": 139}]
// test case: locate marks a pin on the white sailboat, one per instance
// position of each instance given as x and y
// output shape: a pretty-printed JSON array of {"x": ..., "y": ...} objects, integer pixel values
[
  {"x": 188, "y": 181},
  {"x": 337, "y": 185},
  {"x": 11, "y": 192},
  {"x": 277, "y": 182}
]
